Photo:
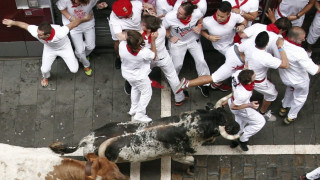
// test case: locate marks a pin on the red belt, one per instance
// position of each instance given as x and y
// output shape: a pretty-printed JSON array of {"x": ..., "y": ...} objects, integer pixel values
[{"x": 259, "y": 81}]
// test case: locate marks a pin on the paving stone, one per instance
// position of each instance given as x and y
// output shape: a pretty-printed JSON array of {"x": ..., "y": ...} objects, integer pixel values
[
  {"x": 248, "y": 172},
  {"x": 283, "y": 134},
  {"x": 213, "y": 177},
  {"x": 103, "y": 71},
  {"x": 150, "y": 169},
  {"x": 237, "y": 166},
  {"x": 298, "y": 160},
  {"x": 285, "y": 163},
  {"x": 44, "y": 132},
  {"x": 249, "y": 160},
  {"x": 121, "y": 107},
  {"x": 285, "y": 175},
  {"x": 11, "y": 76},
  {"x": 272, "y": 172},
  {"x": 30, "y": 68},
  {"x": 261, "y": 174},
  {"x": 225, "y": 161},
  {"x": 65, "y": 89},
  {"x": 46, "y": 105},
  {"x": 9, "y": 102},
  {"x": 175, "y": 176},
  {"x": 200, "y": 173},
  {"x": 83, "y": 126},
  {"x": 28, "y": 93},
  {"x": 118, "y": 80},
  {"x": 261, "y": 162},
  {"x": 264, "y": 136},
  {"x": 304, "y": 136},
  {"x": 83, "y": 104},
  {"x": 225, "y": 173},
  {"x": 317, "y": 130},
  {"x": 213, "y": 165},
  {"x": 201, "y": 161},
  {"x": 310, "y": 162},
  {"x": 102, "y": 109},
  {"x": 63, "y": 123}
]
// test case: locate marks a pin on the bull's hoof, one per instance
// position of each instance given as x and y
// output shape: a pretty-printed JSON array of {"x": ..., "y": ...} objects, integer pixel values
[{"x": 190, "y": 170}]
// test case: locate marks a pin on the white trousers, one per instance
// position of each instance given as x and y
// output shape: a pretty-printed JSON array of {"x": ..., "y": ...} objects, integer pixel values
[
  {"x": 314, "y": 30},
  {"x": 250, "y": 121},
  {"x": 267, "y": 89},
  {"x": 231, "y": 65},
  {"x": 315, "y": 174},
  {"x": 83, "y": 47},
  {"x": 49, "y": 55},
  {"x": 295, "y": 97},
  {"x": 141, "y": 93},
  {"x": 166, "y": 65},
  {"x": 178, "y": 51}
]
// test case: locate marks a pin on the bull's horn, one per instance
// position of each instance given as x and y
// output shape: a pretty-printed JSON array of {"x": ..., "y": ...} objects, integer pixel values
[
  {"x": 222, "y": 101},
  {"x": 104, "y": 145},
  {"x": 224, "y": 134}
]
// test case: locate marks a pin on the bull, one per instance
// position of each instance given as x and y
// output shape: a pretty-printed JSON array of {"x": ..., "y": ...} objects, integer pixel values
[{"x": 176, "y": 136}]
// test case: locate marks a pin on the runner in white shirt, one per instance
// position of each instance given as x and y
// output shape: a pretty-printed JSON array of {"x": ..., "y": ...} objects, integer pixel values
[
  {"x": 71, "y": 9},
  {"x": 135, "y": 68},
  {"x": 152, "y": 24},
  {"x": 314, "y": 30},
  {"x": 222, "y": 27},
  {"x": 294, "y": 10},
  {"x": 274, "y": 31},
  {"x": 258, "y": 60},
  {"x": 164, "y": 7},
  {"x": 184, "y": 26},
  {"x": 125, "y": 15},
  {"x": 202, "y": 5},
  {"x": 246, "y": 8},
  {"x": 56, "y": 43},
  {"x": 296, "y": 77},
  {"x": 245, "y": 113}
]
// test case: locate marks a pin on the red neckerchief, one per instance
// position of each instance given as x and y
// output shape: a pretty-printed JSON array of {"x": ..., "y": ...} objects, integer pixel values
[
  {"x": 273, "y": 28},
  {"x": 145, "y": 1},
  {"x": 185, "y": 21},
  {"x": 171, "y": 2},
  {"x": 144, "y": 34},
  {"x": 194, "y": 2},
  {"x": 237, "y": 38},
  {"x": 130, "y": 51},
  {"x": 239, "y": 5},
  {"x": 286, "y": 38},
  {"x": 53, "y": 32},
  {"x": 248, "y": 87},
  {"x": 74, "y": 5},
  {"x": 215, "y": 18}
]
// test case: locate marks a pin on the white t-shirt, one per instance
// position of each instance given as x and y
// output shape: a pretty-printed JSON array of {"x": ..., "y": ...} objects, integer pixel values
[
  {"x": 300, "y": 65},
  {"x": 291, "y": 8},
  {"x": 202, "y": 5},
  {"x": 258, "y": 60},
  {"x": 160, "y": 43},
  {"x": 249, "y": 7},
  {"x": 60, "y": 39},
  {"x": 163, "y": 7},
  {"x": 78, "y": 12},
  {"x": 135, "y": 67},
  {"x": 132, "y": 23},
  {"x": 225, "y": 31},
  {"x": 257, "y": 28},
  {"x": 240, "y": 94},
  {"x": 177, "y": 28}
]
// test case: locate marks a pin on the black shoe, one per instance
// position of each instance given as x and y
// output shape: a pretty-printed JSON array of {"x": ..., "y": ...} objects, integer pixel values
[
  {"x": 243, "y": 145},
  {"x": 204, "y": 90},
  {"x": 127, "y": 88},
  {"x": 234, "y": 144},
  {"x": 117, "y": 63}
]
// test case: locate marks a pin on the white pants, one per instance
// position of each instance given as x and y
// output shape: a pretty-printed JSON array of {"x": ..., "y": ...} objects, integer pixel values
[
  {"x": 315, "y": 174},
  {"x": 250, "y": 121},
  {"x": 314, "y": 30},
  {"x": 49, "y": 55},
  {"x": 295, "y": 97},
  {"x": 166, "y": 65},
  {"x": 83, "y": 47},
  {"x": 141, "y": 93},
  {"x": 232, "y": 64},
  {"x": 267, "y": 89},
  {"x": 178, "y": 51}
]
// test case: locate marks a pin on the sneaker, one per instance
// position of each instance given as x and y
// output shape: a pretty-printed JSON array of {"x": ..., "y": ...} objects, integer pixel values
[
  {"x": 88, "y": 71},
  {"x": 288, "y": 120},
  {"x": 304, "y": 177},
  {"x": 283, "y": 111},
  {"x": 186, "y": 97},
  {"x": 117, "y": 63},
  {"x": 182, "y": 85},
  {"x": 221, "y": 87},
  {"x": 204, "y": 90},
  {"x": 243, "y": 145},
  {"x": 127, "y": 88},
  {"x": 142, "y": 118},
  {"x": 269, "y": 117},
  {"x": 234, "y": 144},
  {"x": 132, "y": 113}
]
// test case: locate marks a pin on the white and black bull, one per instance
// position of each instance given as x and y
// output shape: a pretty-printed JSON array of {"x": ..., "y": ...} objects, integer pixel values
[{"x": 177, "y": 136}]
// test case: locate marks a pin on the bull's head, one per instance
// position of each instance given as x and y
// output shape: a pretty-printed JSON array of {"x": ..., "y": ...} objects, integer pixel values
[{"x": 229, "y": 128}]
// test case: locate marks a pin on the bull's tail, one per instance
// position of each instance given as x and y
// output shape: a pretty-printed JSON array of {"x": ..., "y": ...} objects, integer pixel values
[{"x": 60, "y": 148}]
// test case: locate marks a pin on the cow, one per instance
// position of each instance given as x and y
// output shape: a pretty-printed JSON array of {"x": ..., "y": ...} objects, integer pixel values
[
  {"x": 177, "y": 136},
  {"x": 18, "y": 163}
]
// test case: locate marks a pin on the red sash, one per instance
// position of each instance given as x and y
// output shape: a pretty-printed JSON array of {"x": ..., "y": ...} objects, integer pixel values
[
  {"x": 286, "y": 38},
  {"x": 185, "y": 21},
  {"x": 215, "y": 18},
  {"x": 130, "y": 51},
  {"x": 239, "y": 5},
  {"x": 194, "y": 2},
  {"x": 53, "y": 32},
  {"x": 171, "y": 2}
]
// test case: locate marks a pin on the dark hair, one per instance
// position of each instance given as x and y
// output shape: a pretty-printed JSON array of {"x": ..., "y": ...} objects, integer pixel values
[
  {"x": 84, "y": 2},
  {"x": 45, "y": 27},
  {"x": 189, "y": 7},
  {"x": 135, "y": 40},
  {"x": 245, "y": 76},
  {"x": 295, "y": 32},
  {"x": 262, "y": 39},
  {"x": 283, "y": 23},
  {"x": 152, "y": 22},
  {"x": 225, "y": 7}
]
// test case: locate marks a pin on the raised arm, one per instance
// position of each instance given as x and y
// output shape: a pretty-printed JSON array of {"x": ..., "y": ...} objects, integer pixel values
[{"x": 10, "y": 23}]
